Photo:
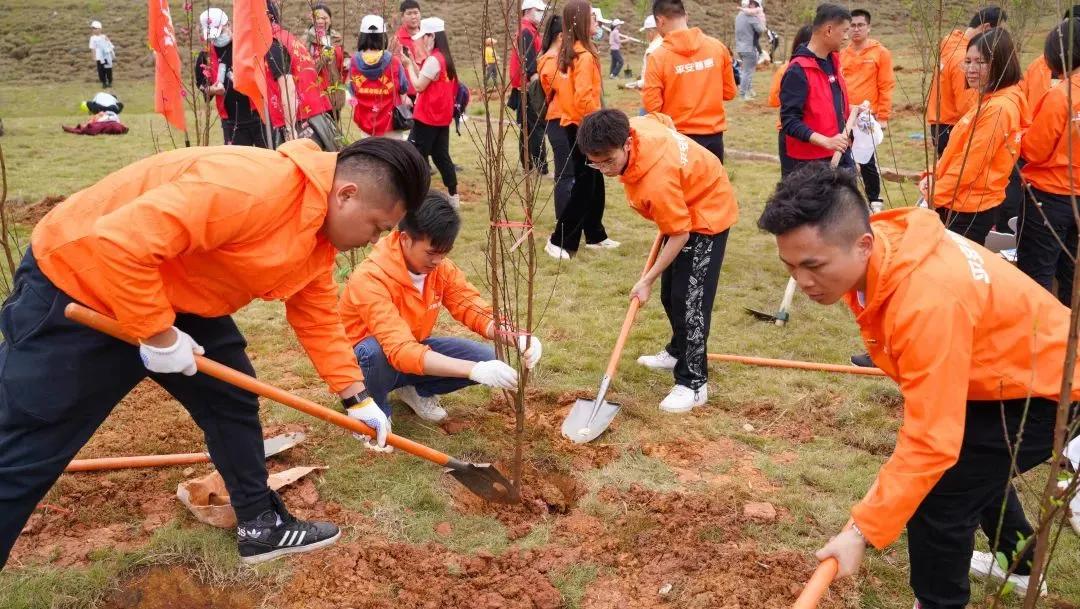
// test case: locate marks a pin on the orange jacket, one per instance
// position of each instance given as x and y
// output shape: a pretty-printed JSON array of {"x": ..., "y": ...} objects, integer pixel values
[
  {"x": 579, "y": 90},
  {"x": 205, "y": 231},
  {"x": 950, "y": 322},
  {"x": 956, "y": 98},
  {"x": 1045, "y": 146},
  {"x": 547, "y": 66},
  {"x": 989, "y": 137},
  {"x": 681, "y": 79},
  {"x": 675, "y": 182},
  {"x": 1037, "y": 81},
  {"x": 380, "y": 300},
  {"x": 774, "y": 90},
  {"x": 869, "y": 76}
]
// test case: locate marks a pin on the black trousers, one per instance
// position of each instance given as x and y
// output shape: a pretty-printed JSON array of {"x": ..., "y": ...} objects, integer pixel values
[
  {"x": 871, "y": 177},
  {"x": 104, "y": 74},
  {"x": 434, "y": 143},
  {"x": 1013, "y": 205},
  {"x": 687, "y": 291},
  {"x": 713, "y": 143},
  {"x": 975, "y": 226},
  {"x": 244, "y": 134},
  {"x": 940, "y": 135},
  {"x": 564, "y": 167},
  {"x": 59, "y": 380},
  {"x": 585, "y": 211},
  {"x": 1039, "y": 253},
  {"x": 976, "y": 493},
  {"x": 617, "y": 63},
  {"x": 533, "y": 145}
]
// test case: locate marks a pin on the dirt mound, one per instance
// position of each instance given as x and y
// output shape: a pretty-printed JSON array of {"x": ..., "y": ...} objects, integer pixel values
[
  {"x": 32, "y": 213},
  {"x": 543, "y": 495},
  {"x": 169, "y": 587}
]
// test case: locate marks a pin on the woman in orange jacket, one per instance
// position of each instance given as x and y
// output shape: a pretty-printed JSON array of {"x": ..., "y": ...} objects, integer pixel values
[
  {"x": 970, "y": 178},
  {"x": 579, "y": 92},
  {"x": 547, "y": 66},
  {"x": 801, "y": 37},
  {"x": 1047, "y": 221}
]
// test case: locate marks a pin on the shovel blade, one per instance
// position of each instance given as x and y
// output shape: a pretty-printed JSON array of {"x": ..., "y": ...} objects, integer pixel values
[
  {"x": 485, "y": 481},
  {"x": 761, "y": 314},
  {"x": 579, "y": 429}
]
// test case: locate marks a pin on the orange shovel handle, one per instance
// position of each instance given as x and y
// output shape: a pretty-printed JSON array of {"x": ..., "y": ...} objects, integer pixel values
[
  {"x": 631, "y": 312},
  {"x": 798, "y": 365},
  {"x": 224, "y": 373},
  {"x": 107, "y": 463},
  {"x": 852, "y": 117},
  {"x": 817, "y": 586}
]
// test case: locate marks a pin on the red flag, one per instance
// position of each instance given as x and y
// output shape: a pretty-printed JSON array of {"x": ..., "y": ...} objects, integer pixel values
[
  {"x": 252, "y": 38},
  {"x": 168, "y": 92}
]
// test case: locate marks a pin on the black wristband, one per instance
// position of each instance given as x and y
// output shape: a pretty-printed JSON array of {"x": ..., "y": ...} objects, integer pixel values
[{"x": 355, "y": 400}]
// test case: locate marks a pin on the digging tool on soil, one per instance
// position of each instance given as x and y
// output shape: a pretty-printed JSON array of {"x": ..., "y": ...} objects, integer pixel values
[
  {"x": 795, "y": 364},
  {"x": 271, "y": 447},
  {"x": 589, "y": 418},
  {"x": 483, "y": 479}
]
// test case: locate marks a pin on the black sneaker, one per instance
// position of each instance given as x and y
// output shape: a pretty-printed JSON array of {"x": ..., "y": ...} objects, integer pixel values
[
  {"x": 862, "y": 360},
  {"x": 275, "y": 533}
]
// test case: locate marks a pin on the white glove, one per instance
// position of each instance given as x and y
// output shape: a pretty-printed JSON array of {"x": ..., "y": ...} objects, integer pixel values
[
  {"x": 180, "y": 357},
  {"x": 531, "y": 349},
  {"x": 369, "y": 413},
  {"x": 495, "y": 374}
]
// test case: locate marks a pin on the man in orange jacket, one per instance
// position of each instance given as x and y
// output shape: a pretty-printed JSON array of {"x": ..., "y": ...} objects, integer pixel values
[
  {"x": 868, "y": 71},
  {"x": 674, "y": 182},
  {"x": 689, "y": 77},
  {"x": 392, "y": 302},
  {"x": 171, "y": 246},
  {"x": 969, "y": 339}
]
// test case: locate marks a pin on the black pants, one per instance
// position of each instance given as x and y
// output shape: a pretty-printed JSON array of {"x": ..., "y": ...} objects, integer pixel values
[
  {"x": 871, "y": 178},
  {"x": 974, "y": 226},
  {"x": 1013, "y": 204},
  {"x": 617, "y": 62},
  {"x": 244, "y": 134},
  {"x": 972, "y": 494},
  {"x": 533, "y": 145},
  {"x": 564, "y": 167},
  {"x": 940, "y": 135},
  {"x": 104, "y": 74},
  {"x": 687, "y": 291},
  {"x": 434, "y": 142},
  {"x": 1039, "y": 253},
  {"x": 713, "y": 143},
  {"x": 585, "y": 211},
  {"x": 59, "y": 380}
]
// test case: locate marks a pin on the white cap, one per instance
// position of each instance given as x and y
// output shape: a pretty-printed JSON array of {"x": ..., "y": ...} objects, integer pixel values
[
  {"x": 213, "y": 20},
  {"x": 537, "y": 4},
  {"x": 429, "y": 25},
  {"x": 96, "y": 25},
  {"x": 599, "y": 15},
  {"x": 372, "y": 24},
  {"x": 617, "y": 22},
  {"x": 650, "y": 23}
]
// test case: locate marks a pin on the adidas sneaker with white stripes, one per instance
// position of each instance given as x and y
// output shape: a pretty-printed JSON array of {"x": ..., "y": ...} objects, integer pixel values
[{"x": 276, "y": 533}]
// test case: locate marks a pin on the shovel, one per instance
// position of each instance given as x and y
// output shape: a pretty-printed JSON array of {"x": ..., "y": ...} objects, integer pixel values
[
  {"x": 480, "y": 478},
  {"x": 589, "y": 418},
  {"x": 271, "y": 447}
]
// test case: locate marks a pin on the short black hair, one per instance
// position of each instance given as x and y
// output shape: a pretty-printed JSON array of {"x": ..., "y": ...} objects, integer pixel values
[
  {"x": 436, "y": 221},
  {"x": 408, "y": 4},
  {"x": 603, "y": 131},
  {"x": 370, "y": 41},
  {"x": 668, "y": 8},
  {"x": 830, "y": 13},
  {"x": 996, "y": 46},
  {"x": 552, "y": 31},
  {"x": 395, "y": 163},
  {"x": 821, "y": 196},
  {"x": 322, "y": 6},
  {"x": 1073, "y": 12},
  {"x": 1062, "y": 48},
  {"x": 994, "y": 15},
  {"x": 861, "y": 12},
  {"x": 801, "y": 37}
]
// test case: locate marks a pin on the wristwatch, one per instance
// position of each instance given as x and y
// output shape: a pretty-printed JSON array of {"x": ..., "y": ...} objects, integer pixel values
[{"x": 355, "y": 400}]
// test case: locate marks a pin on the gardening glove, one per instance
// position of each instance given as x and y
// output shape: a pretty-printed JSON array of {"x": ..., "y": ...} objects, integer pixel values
[
  {"x": 495, "y": 374},
  {"x": 530, "y": 349},
  {"x": 369, "y": 413},
  {"x": 179, "y": 357}
]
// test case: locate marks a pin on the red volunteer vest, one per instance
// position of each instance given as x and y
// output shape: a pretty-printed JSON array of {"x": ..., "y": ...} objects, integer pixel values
[
  {"x": 375, "y": 98},
  {"x": 273, "y": 93},
  {"x": 312, "y": 98},
  {"x": 435, "y": 104},
  {"x": 516, "y": 73},
  {"x": 819, "y": 113}
]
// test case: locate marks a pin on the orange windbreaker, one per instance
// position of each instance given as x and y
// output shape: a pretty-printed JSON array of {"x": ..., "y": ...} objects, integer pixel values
[
  {"x": 950, "y": 322},
  {"x": 547, "y": 66},
  {"x": 578, "y": 90},
  {"x": 380, "y": 300},
  {"x": 956, "y": 98},
  {"x": 774, "y": 90},
  {"x": 869, "y": 76},
  {"x": 205, "y": 231},
  {"x": 676, "y": 183},
  {"x": 991, "y": 144},
  {"x": 1037, "y": 81},
  {"x": 681, "y": 78},
  {"x": 1045, "y": 146}
]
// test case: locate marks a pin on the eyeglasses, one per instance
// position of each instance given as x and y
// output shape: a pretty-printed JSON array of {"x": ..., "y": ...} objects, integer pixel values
[{"x": 601, "y": 165}]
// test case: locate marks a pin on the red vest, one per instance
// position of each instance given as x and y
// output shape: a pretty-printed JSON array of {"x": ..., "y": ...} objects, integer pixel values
[
  {"x": 435, "y": 104},
  {"x": 375, "y": 98},
  {"x": 273, "y": 92},
  {"x": 516, "y": 73},
  {"x": 313, "y": 99},
  {"x": 819, "y": 112}
]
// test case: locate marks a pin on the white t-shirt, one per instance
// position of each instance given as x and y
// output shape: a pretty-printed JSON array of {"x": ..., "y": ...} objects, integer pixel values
[
  {"x": 655, "y": 44},
  {"x": 430, "y": 69},
  {"x": 102, "y": 48},
  {"x": 418, "y": 281}
]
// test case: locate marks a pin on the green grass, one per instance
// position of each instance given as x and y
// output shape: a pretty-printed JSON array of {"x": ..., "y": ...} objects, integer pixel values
[{"x": 573, "y": 582}]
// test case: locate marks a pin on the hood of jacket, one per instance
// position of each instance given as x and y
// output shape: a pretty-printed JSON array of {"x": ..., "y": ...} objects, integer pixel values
[
  {"x": 318, "y": 167},
  {"x": 685, "y": 42},
  {"x": 903, "y": 239},
  {"x": 650, "y": 139},
  {"x": 372, "y": 70}
]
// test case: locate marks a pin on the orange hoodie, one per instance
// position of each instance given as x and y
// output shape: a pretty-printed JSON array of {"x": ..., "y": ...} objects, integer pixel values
[
  {"x": 205, "y": 231},
  {"x": 956, "y": 98},
  {"x": 682, "y": 78},
  {"x": 989, "y": 137},
  {"x": 1045, "y": 146},
  {"x": 381, "y": 300},
  {"x": 869, "y": 76},
  {"x": 1037, "y": 81},
  {"x": 950, "y": 322},
  {"x": 675, "y": 182},
  {"x": 547, "y": 66},
  {"x": 579, "y": 90}
]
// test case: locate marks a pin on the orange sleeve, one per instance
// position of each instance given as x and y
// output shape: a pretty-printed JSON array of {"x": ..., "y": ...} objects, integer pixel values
[
  {"x": 935, "y": 345},
  {"x": 886, "y": 83},
  {"x": 774, "y": 87},
  {"x": 986, "y": 136},
  {"x": 730, "y": 88},
  {"x": 313, "y": 314},
  {"x": 652, "y": 94},
  {"x": 586, "y": 85},
  {"x": 1049, "y": 119},
  {"x": 464, "y": 303},
  {"x": 372, "y": 302}
]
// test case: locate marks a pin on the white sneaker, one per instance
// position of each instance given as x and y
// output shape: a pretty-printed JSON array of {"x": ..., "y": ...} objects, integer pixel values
[
  {"x": 455, "y": 201},
  {"x": 983, "y": 566},
  {"x": 1074, "y": 506},
  {"x": 684, "y": 399},
  {"x": 606, "y": 244},
  {"x": 555, "y": 251},
  {"x": 660, "y": 361},
  {"x": 426, "y": 408}
]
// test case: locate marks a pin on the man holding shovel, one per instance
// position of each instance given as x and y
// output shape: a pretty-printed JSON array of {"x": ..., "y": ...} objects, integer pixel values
[
  {"x": 977, "y": 349},
  {"x": 683, "y": 188},
  {"x": 171, "y": 246}
]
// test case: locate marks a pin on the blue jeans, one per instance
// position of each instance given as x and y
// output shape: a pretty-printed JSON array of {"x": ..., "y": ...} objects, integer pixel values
[{"x": 380, "y": 377}]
